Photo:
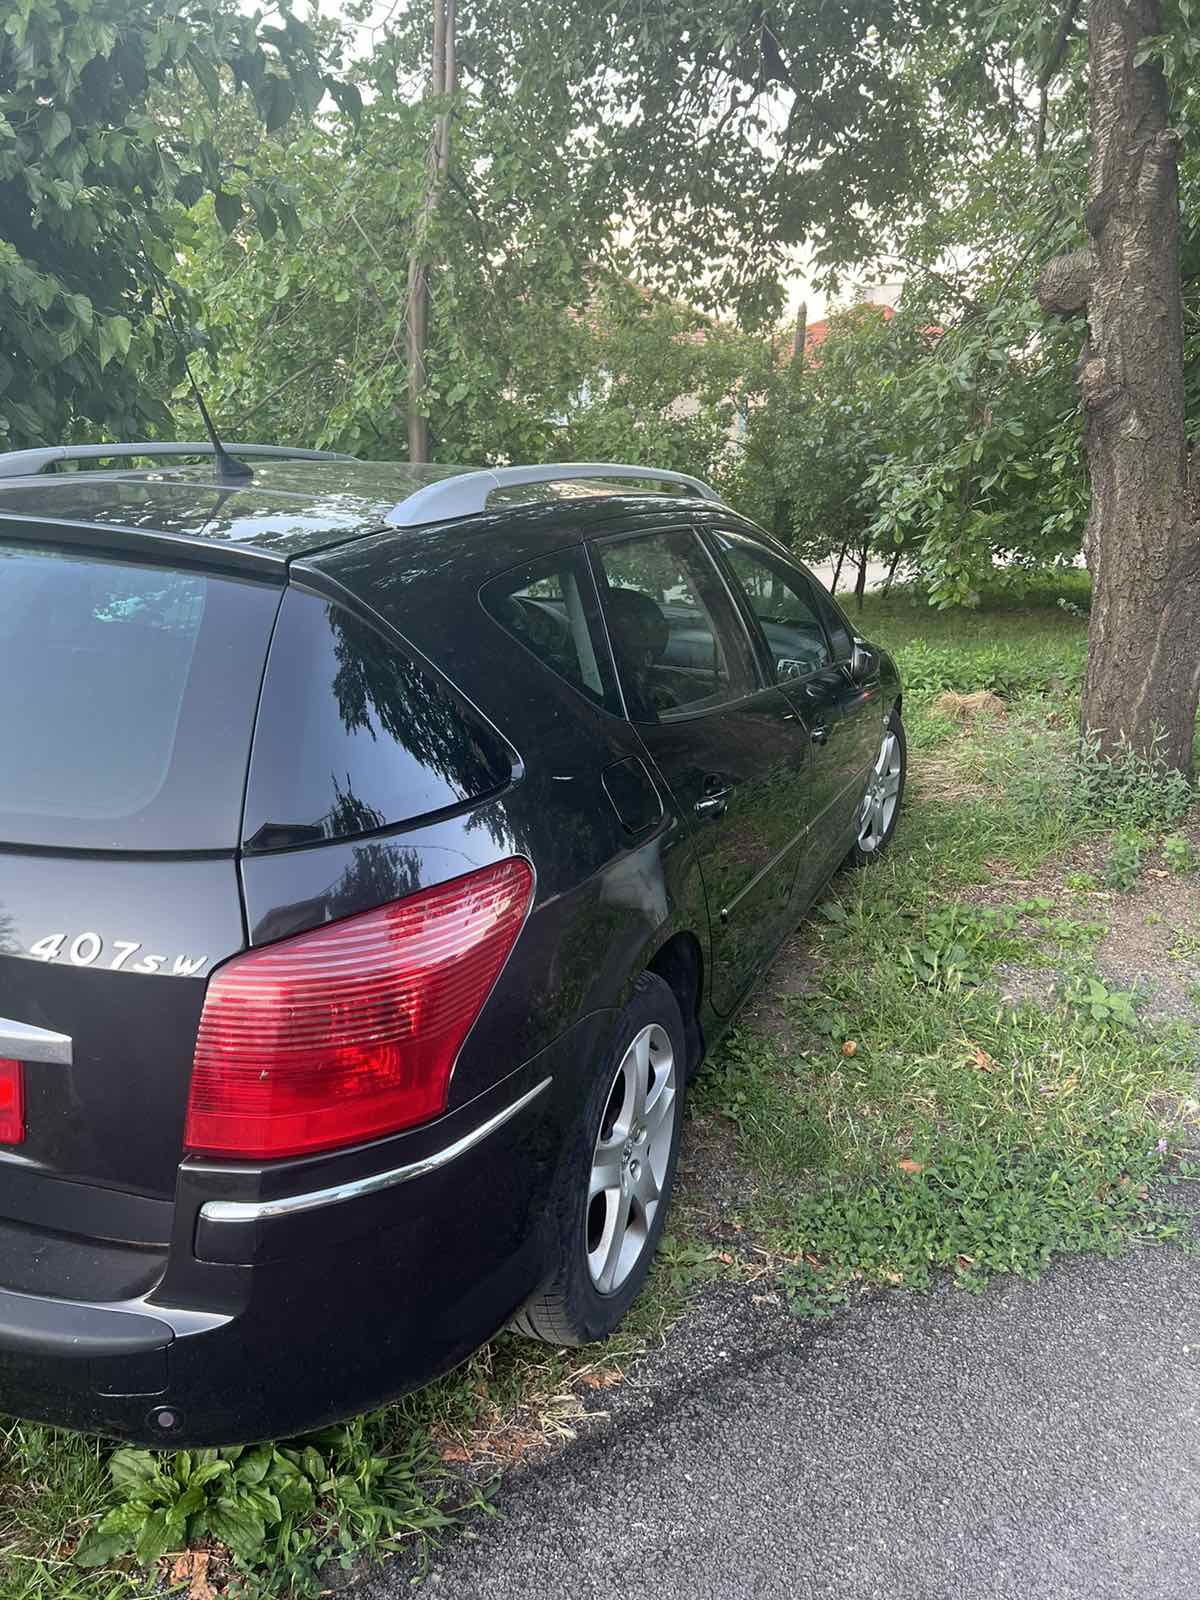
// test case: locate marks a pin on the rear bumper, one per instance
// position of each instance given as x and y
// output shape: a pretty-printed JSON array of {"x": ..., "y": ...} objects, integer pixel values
[{"x": 288, "y": 1303}]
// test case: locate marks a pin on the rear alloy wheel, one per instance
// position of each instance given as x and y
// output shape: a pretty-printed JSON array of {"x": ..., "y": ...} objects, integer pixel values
[
  {"x": 629, "y": 1163},
  {"x": 617, "y": 1180},
  {"x": 885, "y": 790}
]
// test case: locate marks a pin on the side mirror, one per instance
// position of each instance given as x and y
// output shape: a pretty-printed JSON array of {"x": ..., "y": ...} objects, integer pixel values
[{"x": 864, "y": 662}]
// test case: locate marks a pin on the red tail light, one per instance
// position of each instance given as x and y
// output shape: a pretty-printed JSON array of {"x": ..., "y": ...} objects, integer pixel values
[
  {"x": 350, "y": 1031},
  {"x": 12, "y": 1101}
]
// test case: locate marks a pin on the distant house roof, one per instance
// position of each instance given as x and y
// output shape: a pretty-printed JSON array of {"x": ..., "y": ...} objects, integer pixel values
[{"x": 818, "y": 332}]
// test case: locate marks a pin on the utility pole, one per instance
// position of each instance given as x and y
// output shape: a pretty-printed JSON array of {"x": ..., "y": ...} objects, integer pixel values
[
  {"x": 443, "y": 81},
  {"x": 801, "y": 334}
]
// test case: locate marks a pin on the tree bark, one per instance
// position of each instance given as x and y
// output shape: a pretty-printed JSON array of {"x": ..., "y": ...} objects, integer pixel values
[
  {"x": 860, "y": 583},
  {"x": 1143, "y": 534},
  {"x": 442, "y": 85},
  {"x": 837, "y": 571},
  {"x": 891, "y": 571}
]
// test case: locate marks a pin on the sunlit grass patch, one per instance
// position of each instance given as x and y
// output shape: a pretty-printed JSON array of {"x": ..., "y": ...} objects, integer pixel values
[{"x": 908, "y": 1116}]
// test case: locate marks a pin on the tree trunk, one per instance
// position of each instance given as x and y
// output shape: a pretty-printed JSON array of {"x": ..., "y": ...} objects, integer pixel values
[
  {"x": 860, "y": 583},
  {"x": 442, "y": 85},
  {"x": 837, "y": 571},
  {"x": 1143, "y": 533},
  {"x": 891, "y": 571}
]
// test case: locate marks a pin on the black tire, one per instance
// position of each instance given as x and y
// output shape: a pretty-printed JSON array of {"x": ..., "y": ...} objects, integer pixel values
[
  {"x": 858, "y": 856},
  {"x": 569, "y": 1308}
]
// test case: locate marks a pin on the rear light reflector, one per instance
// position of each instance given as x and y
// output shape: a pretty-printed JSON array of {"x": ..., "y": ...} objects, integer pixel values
[
  {"x": 12, "y": 1101},
  {"x": 350, "y": 1031}
]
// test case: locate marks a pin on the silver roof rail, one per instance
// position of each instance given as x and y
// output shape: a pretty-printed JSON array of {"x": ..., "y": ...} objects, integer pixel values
[
  {"x": 466, "y": 494},
  {"x": 26, "y": 463}
]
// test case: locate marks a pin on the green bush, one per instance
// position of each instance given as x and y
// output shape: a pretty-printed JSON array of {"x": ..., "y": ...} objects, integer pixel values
[
  {"x": 281, "y": 1510},
  {"x": 1127, "y": 790},
  {"x": 1053, "y": 667}
]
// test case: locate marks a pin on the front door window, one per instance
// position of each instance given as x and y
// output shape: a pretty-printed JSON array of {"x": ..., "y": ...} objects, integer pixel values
[{"x": 679, "y": 646}]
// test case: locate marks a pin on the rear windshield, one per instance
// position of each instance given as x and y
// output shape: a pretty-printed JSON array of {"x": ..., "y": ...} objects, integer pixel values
[
  {"x": 353, "y": 735},
  {"x": 127, "y": 698}
]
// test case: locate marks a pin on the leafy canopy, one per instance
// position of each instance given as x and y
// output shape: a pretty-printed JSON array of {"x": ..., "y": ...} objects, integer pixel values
[{"x": 95, "y": 161}]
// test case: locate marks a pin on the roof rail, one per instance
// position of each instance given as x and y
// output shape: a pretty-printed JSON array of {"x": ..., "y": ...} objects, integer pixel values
[
  {"x": 466, "y": 494},
  {"x": 26, "y": 463}
]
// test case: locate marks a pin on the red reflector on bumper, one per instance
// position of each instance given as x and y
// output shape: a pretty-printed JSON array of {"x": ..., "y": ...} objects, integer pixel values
[
  {"x": 12, "y": 1101},
  {"x": 350, "y": 1031}
]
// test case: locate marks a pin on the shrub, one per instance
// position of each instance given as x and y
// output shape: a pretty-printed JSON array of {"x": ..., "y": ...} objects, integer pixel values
[
  {"x": 1053, "y": 667},
  {"x": 1127, "y": 790}
]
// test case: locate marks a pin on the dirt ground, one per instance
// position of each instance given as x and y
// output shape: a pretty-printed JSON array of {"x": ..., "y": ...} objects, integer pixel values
[{"x": 1152, "y": 943}]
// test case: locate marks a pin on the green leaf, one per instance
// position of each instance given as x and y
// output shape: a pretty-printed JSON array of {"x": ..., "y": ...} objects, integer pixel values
[
  {"x": 57, "y": 128},
  {"x": 309, "y": 87},
  {"x": 207, "y": 75},
  {"x": 296, "y": 1497},
  {"x": 255, "y": 1464},
  {"x": 229, "y": 210},
  {"x": 114, "y": 335},
  {"x": 348, "y": 99},
  {"x": 275, "y": 101},
  {"x": 242, "y": 1530},
  {"x": 134, "y": 1473},
  {"x": 189, "y": 189},
  {"x": 159, "y": 1531},
  {"x": 190, "y": 1501},
  {"x": 113, "y": 1536}
]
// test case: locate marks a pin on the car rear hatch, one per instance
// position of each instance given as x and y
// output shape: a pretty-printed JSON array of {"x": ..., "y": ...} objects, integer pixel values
[{"x": 128, "y": 691}]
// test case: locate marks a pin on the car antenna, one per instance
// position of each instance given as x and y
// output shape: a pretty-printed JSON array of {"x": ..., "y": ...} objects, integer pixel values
[{"x": 228, "y": 467}]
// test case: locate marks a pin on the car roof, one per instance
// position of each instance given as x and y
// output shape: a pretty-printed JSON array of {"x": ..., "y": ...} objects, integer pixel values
[{"x": 287, "y": 509}]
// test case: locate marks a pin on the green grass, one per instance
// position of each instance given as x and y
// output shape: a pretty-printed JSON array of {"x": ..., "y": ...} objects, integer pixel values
[
  {"x": 904, "y": 1122},
  {"x": 1018, "y": 640},
  {"x": 910, "y": 1119}
]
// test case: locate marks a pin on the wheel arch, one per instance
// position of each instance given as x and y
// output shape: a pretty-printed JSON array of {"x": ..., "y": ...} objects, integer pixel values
[{"x": 679, "y": 962}]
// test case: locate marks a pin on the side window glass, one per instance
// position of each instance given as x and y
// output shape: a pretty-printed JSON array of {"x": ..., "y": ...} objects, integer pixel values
[
  {"x": 678, "y": 643},
  {"x": 836, "y": 626},
  {"x": 549, "y": 605},
  {"x": 785, "y": 605},
  {"x": 353, "y": 736}
]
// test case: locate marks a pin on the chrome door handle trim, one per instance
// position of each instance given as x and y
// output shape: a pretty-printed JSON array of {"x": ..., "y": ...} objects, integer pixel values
[
  {"x": 21, "y": 1041},
  {"x": 712, "y": 805}
]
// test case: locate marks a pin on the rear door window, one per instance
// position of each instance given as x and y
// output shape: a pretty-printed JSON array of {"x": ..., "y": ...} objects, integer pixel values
[
  {"x": 353, "y": 735},
  {"x": 127, "y": 697}
]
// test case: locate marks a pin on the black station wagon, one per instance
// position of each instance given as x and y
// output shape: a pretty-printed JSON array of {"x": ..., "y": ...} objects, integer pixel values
[{"x": 380, "y": 849}]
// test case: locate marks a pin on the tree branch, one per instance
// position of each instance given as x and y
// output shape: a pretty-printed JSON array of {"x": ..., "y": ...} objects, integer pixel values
[{"x": 1058, "y": 49}]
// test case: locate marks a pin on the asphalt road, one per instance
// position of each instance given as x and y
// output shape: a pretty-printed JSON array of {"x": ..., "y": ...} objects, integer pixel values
[{"x": 1040, "y": 1441}]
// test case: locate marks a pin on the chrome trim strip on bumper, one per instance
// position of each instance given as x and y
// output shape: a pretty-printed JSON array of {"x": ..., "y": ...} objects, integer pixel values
[
  {"x": 23, "y": 1042},
  {"x": 289, "y": 1205}
]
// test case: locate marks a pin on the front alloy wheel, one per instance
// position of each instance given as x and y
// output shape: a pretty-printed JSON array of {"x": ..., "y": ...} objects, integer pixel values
[{"x": 885, "y": 790}]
